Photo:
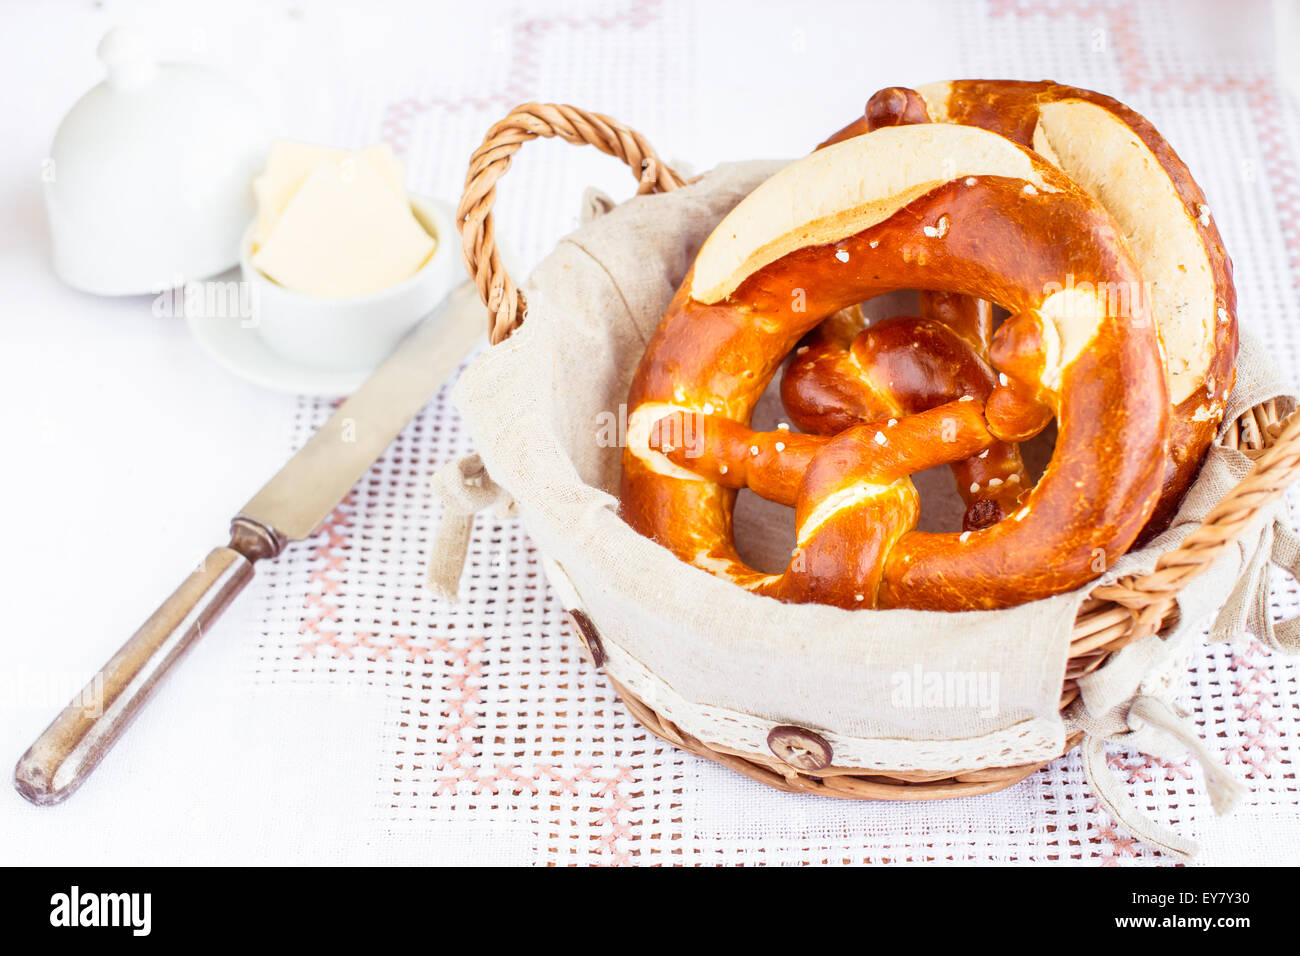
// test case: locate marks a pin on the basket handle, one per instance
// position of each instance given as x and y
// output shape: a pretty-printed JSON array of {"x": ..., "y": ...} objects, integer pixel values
[
  {"x": 1150, "y": 597},
  {"x": 491, "y": 160}
]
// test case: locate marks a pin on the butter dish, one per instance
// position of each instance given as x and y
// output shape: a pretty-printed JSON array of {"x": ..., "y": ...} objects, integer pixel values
[{"x": 148, "y": 184}]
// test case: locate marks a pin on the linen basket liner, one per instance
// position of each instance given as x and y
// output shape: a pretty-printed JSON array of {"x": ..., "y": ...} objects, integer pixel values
[{"x": 889, "y": 690}]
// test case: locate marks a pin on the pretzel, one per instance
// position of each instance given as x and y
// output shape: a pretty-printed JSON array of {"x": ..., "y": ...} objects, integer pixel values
[
  {"x": 933, "y": 206},
  {"x": 907, "y": 365},
  {"x": 902, "y": 366},
  {"x": 1123, "y": 162}
]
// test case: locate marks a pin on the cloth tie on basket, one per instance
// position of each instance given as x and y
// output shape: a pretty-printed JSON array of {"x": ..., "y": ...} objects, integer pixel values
[
  {"x": 1248, "y": 608},
  {"x": 1149, "y": 715},
  {"x": 1128, "y": 700},
  {"x": 464, "y": 488}
]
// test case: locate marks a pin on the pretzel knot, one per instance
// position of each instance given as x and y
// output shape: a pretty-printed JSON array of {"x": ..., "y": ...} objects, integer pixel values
[
  {"x": 907, "y": 365},
  {"x": 973, "y": 217},
  {"x": 851, "y": 492}
]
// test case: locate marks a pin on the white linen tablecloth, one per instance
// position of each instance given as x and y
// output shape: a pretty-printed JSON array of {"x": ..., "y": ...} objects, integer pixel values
[{"x": 339, "y": 713}]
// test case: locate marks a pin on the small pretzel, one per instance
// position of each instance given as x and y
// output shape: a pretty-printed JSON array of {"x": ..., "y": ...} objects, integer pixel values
[
  {"x": 903, "y": 366},
  {"x": 1124, "y": 163},
  {"x": 928, "y": 363},
  {"x": 930, "y": 206}
]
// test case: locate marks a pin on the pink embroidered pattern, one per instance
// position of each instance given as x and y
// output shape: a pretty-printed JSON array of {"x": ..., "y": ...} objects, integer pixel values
[
  {"x": 458, "y": 751},
  {"x": 1143, "y": 773},
  {"x": 1253, "y": 693},
  {"x": 1280, "y": 168},
  {"x": 521, "y": 82},
  {"x": 321, "y": 610}
]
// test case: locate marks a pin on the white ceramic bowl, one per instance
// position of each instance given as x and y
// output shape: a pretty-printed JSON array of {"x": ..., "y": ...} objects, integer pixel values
[{"x": 354, "y": 332}]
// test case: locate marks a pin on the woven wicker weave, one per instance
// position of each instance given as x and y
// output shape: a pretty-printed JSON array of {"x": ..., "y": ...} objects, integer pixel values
[{"x": 1111, "y": 617}]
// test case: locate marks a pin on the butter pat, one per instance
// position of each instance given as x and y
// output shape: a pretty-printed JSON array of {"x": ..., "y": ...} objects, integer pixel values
[
  {"x": 333, "y": 223},
  {"x": 289, "y": 163}
]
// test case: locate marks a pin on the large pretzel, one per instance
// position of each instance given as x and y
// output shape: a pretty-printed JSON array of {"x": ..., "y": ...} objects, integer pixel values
[
  {"x": 1121, "y": 160},
  {"x": 939, "y": 207}
]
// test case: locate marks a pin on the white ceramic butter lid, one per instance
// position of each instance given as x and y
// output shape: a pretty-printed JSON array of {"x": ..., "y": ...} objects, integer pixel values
[{"x": 149, "y": 181}]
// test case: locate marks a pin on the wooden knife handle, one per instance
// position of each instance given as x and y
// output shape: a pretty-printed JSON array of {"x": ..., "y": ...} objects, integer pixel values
[{"x": 73, "y": 745}]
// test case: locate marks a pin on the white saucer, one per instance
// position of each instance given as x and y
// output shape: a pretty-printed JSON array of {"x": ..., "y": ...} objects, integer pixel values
[{"x": 242, "y": 350}]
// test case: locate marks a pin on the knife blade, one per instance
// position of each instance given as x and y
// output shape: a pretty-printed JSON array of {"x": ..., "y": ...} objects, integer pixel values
[
  {"x": 305, "y": 491},
  {"x": 290, "y": 507}
]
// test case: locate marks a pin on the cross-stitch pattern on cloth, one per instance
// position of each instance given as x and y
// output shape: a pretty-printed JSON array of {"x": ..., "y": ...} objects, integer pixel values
[{"x": 499, "y": 720}]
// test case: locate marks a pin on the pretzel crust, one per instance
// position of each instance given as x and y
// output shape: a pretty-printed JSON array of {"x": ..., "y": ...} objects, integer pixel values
[{"x": 1009, "y": 239}]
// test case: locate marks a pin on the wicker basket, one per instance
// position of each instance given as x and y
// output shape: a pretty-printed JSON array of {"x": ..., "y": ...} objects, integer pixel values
[{"x": 1112, "y": 616}]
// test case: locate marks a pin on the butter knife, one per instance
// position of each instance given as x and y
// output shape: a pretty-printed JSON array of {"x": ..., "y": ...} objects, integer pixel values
[{"x": 290, "y": 507}]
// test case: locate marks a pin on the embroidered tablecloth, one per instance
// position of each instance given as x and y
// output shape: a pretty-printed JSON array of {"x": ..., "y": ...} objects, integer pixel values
[{"x": 340, "y": 713}]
